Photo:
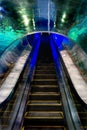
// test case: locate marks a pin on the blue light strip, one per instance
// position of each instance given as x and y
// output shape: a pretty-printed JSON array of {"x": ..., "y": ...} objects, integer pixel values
[
  {"x": 35, "y": 52},
  {"x": 33, "y": 57},
  {"x": 57, "y": 40},
  {"x": 56, "y": 58}
]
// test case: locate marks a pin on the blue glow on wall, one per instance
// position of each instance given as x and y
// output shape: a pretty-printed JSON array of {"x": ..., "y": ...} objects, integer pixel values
[
  {"x": 32, "y": 38},
  {"x": 57, "y": 39}
]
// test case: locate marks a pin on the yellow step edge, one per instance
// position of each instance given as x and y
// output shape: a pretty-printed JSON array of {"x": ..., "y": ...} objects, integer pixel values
[
  {"x": 44, "y": 117},
  {"x": 83, "y": 126},
  {"x": 45, "y": 101},
  {"x": 22, "y": 128},
  {"x": 45, "y": 112},
  {"x": 45, "y": 127},
  {"x": 45, "y": 94},
  {"x": 44, "y": 104}
]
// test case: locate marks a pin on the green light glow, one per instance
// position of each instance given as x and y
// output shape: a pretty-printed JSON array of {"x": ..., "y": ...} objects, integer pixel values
[
  {"x": 7, "y": 36},
  {"x": 73, "y": 33},
  {"x": 63, "y": 17},
  {"x": 24, "y": 16},
  {"x": 79, "y": 34},
  {"x": 25, "y": 19}
]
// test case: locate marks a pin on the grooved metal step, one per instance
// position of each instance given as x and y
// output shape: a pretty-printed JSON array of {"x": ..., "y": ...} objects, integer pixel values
[
  {"x": 45, "y": 72},
  {"x": 44, "y": 128},
  {"x": 44, "y": 106},
  {"x": 45, "y": 82},
  {"x": 44, "y": 89},
  {"x": 45, "y": 102},
  {"x": 45, "y": 67},
  {"x": 43, "y": 121},
  {"x": 45, "y": 97},
  {"x": 44, "y": 76},
  {"x": 44, "y": 114}
]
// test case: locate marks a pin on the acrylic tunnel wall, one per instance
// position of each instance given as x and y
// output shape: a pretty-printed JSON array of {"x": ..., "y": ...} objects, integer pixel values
[
  {"x": 13, "y": 52},
  {"x": 21, "y": 17}
]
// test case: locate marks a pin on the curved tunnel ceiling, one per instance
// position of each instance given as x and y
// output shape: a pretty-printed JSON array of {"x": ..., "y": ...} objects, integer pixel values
[{"x": 64, "y": 16}]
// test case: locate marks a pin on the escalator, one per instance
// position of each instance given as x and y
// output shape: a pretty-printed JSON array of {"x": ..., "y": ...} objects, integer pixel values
[
  {"x": 44, "y": 109},
  {"x": 40, "y": 100},
  {"x": 80, "y": 105}
]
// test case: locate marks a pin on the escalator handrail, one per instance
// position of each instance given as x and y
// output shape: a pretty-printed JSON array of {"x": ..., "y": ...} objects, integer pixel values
[{"x": 6, "y": 99}]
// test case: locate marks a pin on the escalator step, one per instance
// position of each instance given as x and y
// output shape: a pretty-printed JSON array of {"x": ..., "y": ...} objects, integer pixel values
[
  {"x": 50, "y": 76},
  {"x": 45, "y": 86},
  {"x": 44, "y": 107},
  {"x": 44, "y": 114},
  {"x": 44, "y": 102},
  {"x": 44, "y": 82},
  {"x": 45, "y": 72},
  {"x": 44, "y": 128},
  {"x": 83, "y": 115},
  {"x": 44, "y": 97},
  {"x": 44, "y": 89},
  {"x": 43, "y": 121}
]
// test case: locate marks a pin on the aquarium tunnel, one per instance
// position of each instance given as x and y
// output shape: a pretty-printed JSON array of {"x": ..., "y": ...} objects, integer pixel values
[{"x": 43, "y": 65}]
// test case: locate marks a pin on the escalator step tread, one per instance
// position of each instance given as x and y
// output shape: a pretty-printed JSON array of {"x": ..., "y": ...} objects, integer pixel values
[
  {"x": 45, "y": 93},
  {"x": 50, "y": 86},
  {"x": 44, "y": 128},
  {"x": 44, "y": 114},
  {"x": 43, "y": 121},
  {"x": 44, "y": 102},
  {"x": 41, "y": 107}
]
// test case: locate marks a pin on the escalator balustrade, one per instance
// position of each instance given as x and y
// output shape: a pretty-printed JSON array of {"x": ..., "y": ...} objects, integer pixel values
[
  {"x": 9, "y": 110},
  {"x": 82, "y": 111}
]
